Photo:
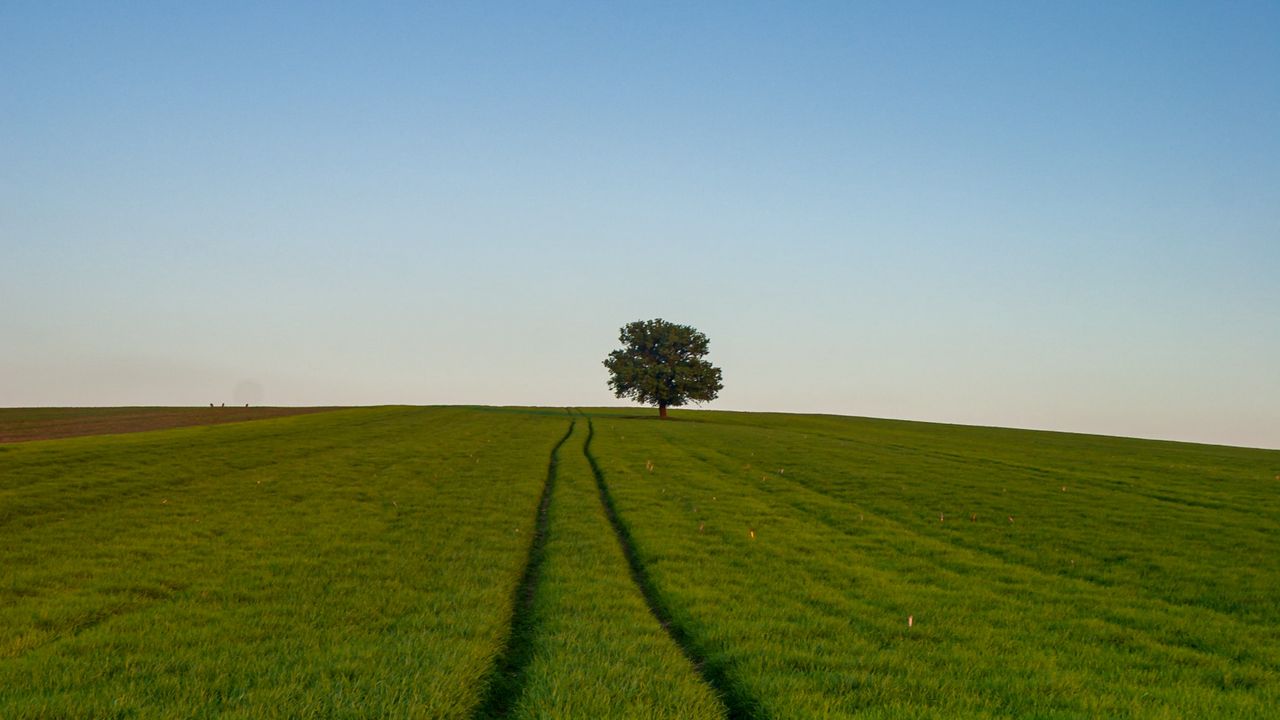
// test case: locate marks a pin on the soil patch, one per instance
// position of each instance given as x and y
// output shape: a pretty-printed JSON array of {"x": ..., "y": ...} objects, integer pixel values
[{"x": 24, "y": 424}]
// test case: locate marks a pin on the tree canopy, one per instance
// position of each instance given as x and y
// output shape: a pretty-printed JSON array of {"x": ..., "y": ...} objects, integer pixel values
[{"x": 661, "y": 363}]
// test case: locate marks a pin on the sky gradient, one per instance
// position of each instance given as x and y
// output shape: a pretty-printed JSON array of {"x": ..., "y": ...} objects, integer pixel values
[{"x": 1048, "y": 215}]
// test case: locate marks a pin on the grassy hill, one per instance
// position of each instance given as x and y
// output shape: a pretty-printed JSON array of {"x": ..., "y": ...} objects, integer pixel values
[{"x": 481, "y": 562}]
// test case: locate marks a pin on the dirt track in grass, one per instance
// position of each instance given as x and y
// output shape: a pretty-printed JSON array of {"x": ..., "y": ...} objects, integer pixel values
[{"x": 25, "y": 424}]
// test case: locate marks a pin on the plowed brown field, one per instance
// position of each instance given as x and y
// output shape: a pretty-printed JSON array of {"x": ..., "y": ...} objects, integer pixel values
[{"x": 23, "y": 424}]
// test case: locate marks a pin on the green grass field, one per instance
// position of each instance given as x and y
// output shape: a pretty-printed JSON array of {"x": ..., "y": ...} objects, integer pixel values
[{"x": 482, "y": 562}]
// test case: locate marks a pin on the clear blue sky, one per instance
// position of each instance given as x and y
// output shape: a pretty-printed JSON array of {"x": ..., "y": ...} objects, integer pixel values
[{"x": 1054, "y": 215}]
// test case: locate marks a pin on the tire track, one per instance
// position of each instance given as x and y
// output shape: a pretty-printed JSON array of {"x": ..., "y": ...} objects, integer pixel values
[
  {"x": 714, "y": 672},
  {"x": 507, "y": 676}
]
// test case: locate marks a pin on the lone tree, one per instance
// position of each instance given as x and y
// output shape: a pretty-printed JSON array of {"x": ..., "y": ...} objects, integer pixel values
[{"x": 661, "y": 364}]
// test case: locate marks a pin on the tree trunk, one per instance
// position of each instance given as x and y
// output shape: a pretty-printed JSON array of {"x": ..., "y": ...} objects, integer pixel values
[{"x": 662, "y": 411}]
